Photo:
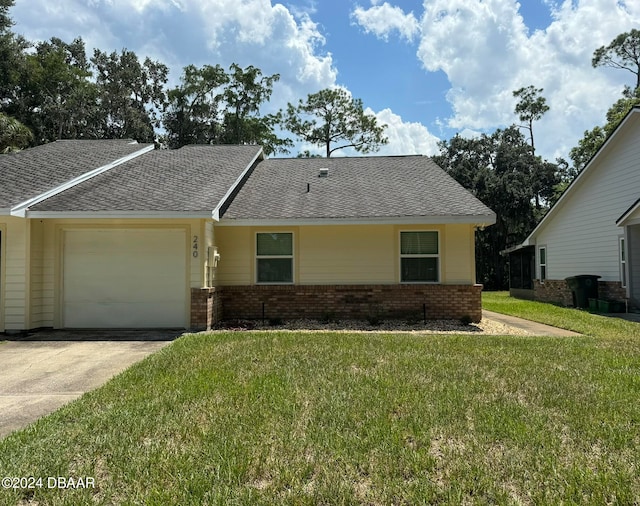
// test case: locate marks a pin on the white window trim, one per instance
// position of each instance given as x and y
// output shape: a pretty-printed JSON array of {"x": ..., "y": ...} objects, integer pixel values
[
  {"x": 266, "y": 257},
  {"x": 431, "y": 255},
  {"x": 622, "y": 257},
  {"x": 545, "y": 264}
]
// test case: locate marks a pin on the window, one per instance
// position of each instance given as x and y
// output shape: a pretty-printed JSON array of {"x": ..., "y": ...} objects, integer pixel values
[
  {"x": 543, "y": 263},
  {"x": 419, "y": 257},
  {"x": 623, "y": 263},
  {"x": 274, "y": 258}
]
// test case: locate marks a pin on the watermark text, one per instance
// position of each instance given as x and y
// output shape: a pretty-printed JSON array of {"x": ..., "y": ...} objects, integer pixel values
[{"x": 61, "y": 482}]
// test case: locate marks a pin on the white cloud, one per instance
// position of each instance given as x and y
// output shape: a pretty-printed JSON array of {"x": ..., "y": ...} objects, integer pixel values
[
  {"x": 487, "y": 51},
  {"x": 405, "y": 138},
  {"x": 182, "y": 32},
  {"x": 382, "y": 20}
]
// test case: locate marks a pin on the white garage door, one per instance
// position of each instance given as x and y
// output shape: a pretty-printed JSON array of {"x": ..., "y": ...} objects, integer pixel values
[{"x": 124, "y": 278}]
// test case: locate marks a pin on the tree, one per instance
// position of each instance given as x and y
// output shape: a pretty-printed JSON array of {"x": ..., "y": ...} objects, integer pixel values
[
  {"x": 56, "y": 98},
  {"x": 5, "y": 21},
  {"x": 331, "y": 117},
  {"x": 12, "y": 48},
  {"x": 307, "y": 154},
  {"x": 132, "y": 94},
  {"x": 593, "y": 139},
  {"x": 531, "y": 107},
  {"x": 245, "y": 92},
  {"x": 215, "y": 107},
  {"x": 14, "y": 136},
  {"x": 193, "y": 112},
  {"x": 623, "y": 52},
  {"x": 501, "y": 171}
]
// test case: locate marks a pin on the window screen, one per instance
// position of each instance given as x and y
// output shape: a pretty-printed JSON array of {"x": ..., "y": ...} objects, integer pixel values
[
  {"x": 419, "y": 243},
  {"x": 274, "y": 263}
]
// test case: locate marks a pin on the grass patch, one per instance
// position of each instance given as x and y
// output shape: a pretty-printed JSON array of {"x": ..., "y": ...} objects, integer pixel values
[
  {"x": 567, "y": 318},
  {"x": 339, "y": 418}
]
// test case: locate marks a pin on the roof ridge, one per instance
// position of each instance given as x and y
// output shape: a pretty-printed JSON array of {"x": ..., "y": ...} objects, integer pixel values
[{"x": 363, "y": 157}]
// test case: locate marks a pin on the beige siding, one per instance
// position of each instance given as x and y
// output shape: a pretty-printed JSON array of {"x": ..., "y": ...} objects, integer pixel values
[
  {"x": 345, "y": 254},
  {"x": 15, "y": 281},
  {"x": 38, "y": 295},
  {"x": 459, "y": 260},
  {"x": 582, "y": 236},
  {"x": 236, "y": 248}
]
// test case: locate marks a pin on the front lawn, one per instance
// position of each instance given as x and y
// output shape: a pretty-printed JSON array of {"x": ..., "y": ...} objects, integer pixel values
[{"x": 334, "y": 418}]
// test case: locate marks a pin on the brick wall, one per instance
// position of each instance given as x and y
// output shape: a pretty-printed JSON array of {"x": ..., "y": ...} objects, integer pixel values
[
  {"x": 557, "y": 291},
  {"x": 553, "y": 290},
  {"x": 351, "y": 301},
  {"x": 206, "y": 309},
  {"x": 611, "y": 290}
]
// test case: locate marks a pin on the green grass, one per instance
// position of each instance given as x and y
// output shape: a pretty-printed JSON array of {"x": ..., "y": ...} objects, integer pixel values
[
  {"x": 332, "y": 418},
  {"x": 567, "y": 318}
]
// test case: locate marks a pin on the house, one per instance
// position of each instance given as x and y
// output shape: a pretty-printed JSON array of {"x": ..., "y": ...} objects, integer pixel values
[
  {"x": 593, "y": 229},
  {"x": 114, "y": 234}
]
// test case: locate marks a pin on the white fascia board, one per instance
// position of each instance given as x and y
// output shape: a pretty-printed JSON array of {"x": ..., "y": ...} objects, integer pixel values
[
  {"x": 480, "y": 221},
  {"x": 5, "y": 211},
  {"x": 576, "y": 181},
  {"x": 119, "y": 214},
  {"x": 625, "y": 219},
  {"x": 215, "y": 214},
  {"x": 21, "y": 209}
]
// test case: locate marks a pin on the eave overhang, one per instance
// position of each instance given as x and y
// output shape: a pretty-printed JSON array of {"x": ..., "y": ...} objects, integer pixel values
[{"x": 479, "y": 221}]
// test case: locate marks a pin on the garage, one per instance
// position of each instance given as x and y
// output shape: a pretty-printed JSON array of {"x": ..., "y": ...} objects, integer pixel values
[{"x": 124, "y": 278}]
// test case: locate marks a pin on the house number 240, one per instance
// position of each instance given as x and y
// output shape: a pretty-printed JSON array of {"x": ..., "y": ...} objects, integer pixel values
[{"x": 194, "y": 247}]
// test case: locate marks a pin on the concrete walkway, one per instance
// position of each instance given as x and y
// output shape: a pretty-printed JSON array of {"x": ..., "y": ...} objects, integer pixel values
[
  {"x": 39, "y": 376},
  {"x": 534, "y": 328}
]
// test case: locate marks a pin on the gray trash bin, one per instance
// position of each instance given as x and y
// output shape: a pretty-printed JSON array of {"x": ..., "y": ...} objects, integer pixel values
[{"x": 583, "y": 287}]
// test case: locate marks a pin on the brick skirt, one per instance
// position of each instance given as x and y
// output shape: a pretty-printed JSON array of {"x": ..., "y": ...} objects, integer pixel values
[{"x": 352, "y": 301}]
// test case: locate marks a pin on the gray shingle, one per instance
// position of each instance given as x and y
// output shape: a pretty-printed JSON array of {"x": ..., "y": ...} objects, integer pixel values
[
  {"x": 31, "y": 172},
  {"x": 193, "y": 178},
  {"x": 364, "y": 187}
]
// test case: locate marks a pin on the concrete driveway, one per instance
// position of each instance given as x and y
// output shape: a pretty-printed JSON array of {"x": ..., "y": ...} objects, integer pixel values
[{"x": 49, "y": 369}]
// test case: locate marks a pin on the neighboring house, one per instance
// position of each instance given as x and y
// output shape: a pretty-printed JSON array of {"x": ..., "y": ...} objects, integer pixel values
[
  {"x": 594, "y": 228},
  {"x": 114, "y": 234}
]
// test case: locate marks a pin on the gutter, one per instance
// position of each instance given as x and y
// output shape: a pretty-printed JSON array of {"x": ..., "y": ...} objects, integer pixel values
[
  {"x": 120, "y": 214},
  {"x": 477, "y": 220},
  {"x": 20, "y": 210}
]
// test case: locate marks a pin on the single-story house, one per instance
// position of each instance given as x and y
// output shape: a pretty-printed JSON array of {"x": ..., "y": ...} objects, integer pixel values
[
  {"x": 593, "y": 229},
  {"x": 115, "y": 234}
]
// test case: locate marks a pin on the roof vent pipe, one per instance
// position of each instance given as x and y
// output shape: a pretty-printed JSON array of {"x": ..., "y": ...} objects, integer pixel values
[{"x": 323, "y": 173}]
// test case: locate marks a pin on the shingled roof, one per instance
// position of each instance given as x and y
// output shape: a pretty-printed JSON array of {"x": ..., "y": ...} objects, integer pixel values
[
  {"x": 193, "y": 179},
  {"x": 385, "y": 188},
  {"x": 32, "y": 172},
  {"x": 232, "y": 182}
]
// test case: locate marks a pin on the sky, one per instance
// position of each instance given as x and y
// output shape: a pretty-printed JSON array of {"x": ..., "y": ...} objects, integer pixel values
[{"x": 427, "y": 69}]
